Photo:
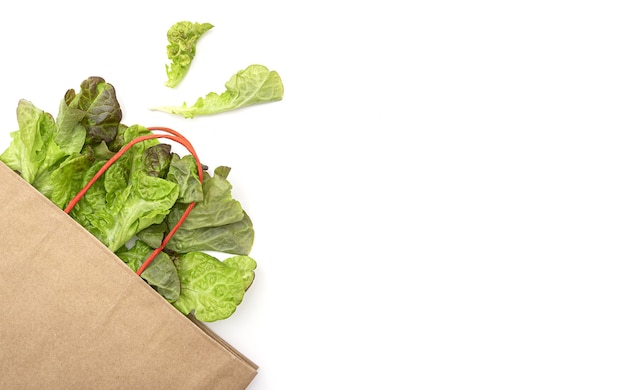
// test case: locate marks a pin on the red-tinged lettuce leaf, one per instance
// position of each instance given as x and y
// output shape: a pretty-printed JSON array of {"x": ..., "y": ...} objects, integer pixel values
[
  {"x": 156, "y": 159},
  {"x": 103, "y": 113}
]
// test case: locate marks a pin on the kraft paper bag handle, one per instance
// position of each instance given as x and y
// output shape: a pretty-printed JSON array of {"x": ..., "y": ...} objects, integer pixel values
[{"x": 172, "y": 135}]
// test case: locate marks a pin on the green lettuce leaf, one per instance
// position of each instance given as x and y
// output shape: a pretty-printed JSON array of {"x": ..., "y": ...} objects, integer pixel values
[
  {"x": 184, "y": 172},
  {"x": 210, "y": 289},
  {"x": 245, "y": 265},
  {"x": 254, "y": 85},
  {"x": 63, "y": 183},
  {"x": 161, "y": 274},
  {"x": 216, "y": 208},
  {"x": 153, "y": 235},
  {"x": 71, "y": 133},
  {"x": 235, "y": 238},
  {"x": 127, "y": 198},
  {"x": 32, "y": 146},
  {"x": 181, "y": 50}
]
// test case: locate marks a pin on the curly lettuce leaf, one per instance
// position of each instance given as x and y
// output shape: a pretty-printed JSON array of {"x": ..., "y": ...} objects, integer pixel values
[
  {"x": 157, "y": 159},
  {"x": 63, "y": 183},
  {"x": 245, "y": 265},
  {"x": 181, "y": 50},
  {"x": 32, "y": 151},
  {"x": 216, "y": 208},
  {"x": 127, "y": 199},
  {"x": 103, "y": 114},
  {"x": 71, "y": 133},
  {"x": 210, "y": 289},
  {"x": 254, "y": 85}
]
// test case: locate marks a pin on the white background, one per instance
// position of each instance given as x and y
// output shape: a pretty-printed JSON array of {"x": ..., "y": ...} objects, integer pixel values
[{"x": 439, "y": 200}]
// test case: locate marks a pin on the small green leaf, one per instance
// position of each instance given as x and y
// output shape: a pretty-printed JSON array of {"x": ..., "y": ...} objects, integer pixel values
[
  {"x": 181, "y": 50},
  {"x": 209, "y": 288},
  {"x": 245, "y": 265}
]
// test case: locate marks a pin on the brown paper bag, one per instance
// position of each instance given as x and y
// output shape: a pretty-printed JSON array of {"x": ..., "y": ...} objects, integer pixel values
[{"x": 74, "y": 316}]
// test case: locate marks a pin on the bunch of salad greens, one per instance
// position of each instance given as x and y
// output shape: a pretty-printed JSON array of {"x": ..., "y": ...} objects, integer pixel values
[{"x": 139, "y": 198}]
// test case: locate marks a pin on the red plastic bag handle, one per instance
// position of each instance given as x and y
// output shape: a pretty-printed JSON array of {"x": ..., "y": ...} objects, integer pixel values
[{"x": 172, "y": 135}]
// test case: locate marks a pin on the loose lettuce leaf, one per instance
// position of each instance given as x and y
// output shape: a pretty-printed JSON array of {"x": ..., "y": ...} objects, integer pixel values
[
  {"x": 181, "y": 50},
  {"x": 161, "y": 274},
  {"x": 254, "y": 85},
  {"x": 210, "y": 289}
]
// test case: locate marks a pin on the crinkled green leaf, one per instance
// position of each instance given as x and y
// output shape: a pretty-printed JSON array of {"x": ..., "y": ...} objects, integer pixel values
[
  {"x": 161, "y": 274},
  {"x": 32, "y": 150},
  {"x": 101, "y": 151},
  {"x": 71, "y": 133},
  {"x": 132, "y": 200},
  {"x": 181, "y": 50},
  {"x": 64, "y": 182},
  {"x": 209, "y": 288},
  {"x": 184, "y": 172},
  {"x": 153, "y": 235},
  {"x": 217, "y": 207},
  {"x": 254, "y": 85},
  {"x": 235, "y": 238},
  {"x": 245, "y": 265}
]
